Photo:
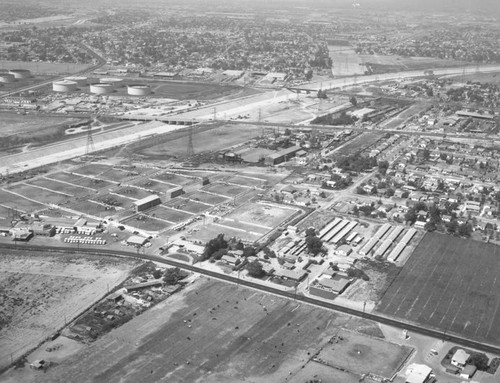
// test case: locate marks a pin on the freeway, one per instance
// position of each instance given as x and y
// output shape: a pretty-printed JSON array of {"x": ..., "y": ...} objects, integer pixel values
[{"x": 395, "y": 322}]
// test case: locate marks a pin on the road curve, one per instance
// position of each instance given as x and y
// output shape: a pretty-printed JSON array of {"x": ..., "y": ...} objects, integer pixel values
[{"x": 423, "y": 330}]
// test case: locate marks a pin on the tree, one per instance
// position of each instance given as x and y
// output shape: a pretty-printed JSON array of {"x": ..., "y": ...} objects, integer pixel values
[
  {"x": 214, "y": 245},
  {"x": 172, "y": 276},
  {"x": 314, "y": 244},
  {"x": 288, "y": 132},
  {"x": 157, "y": 274},
  {"x": 353, "y": 101},
  {"x": 389, "y": 192},
  {"x": 310, "y": 232},
  {"x": 383, "y": 166},
  {"x": 411, "y": 216},
  {"x": 352, "y": 272},
  {"x": 255, "y": 269},
  {"x": 464, "y": 230},
  {"x": 249, "y": 251},
  {"x": 479, "y": 360}
]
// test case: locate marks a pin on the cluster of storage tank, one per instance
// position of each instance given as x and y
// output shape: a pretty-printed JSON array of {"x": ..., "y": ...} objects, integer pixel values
[
  {"x": 13, "y": 75},
  {"x": 102, "y": 86}
]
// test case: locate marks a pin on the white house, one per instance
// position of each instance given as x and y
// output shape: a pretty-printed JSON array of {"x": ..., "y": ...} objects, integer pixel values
[{"x": 460, "y": 358}]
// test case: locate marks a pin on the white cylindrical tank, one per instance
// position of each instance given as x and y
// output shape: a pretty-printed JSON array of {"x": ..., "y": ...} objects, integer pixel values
[
  {"x": 7, "y": 77},
  {"x": 116, "y": 82},
  {"x": 64, "y": 86},
  {"x": 139, "y": 90},
  {"x": 20, "y": 73},
  {"x": 81, "y": 81},
  {"x": 102, "y": 88}
]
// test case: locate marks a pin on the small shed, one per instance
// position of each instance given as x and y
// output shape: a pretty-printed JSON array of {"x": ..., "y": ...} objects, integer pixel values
[
  {"x": 468, "y": 371},
  {"x": 344, "y": 250}
]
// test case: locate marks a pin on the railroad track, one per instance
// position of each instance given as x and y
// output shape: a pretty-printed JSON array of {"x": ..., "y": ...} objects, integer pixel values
[{"x": 419, "y": 329}]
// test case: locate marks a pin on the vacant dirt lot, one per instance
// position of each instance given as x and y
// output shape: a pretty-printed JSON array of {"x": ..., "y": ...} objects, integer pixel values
[
  {"x": 39, "y": 293},
  {"x": 211, "y": 332},
  {"x": 11, "y": 123},
  {"x": 359, "y": 354},
  {"x": 205, "y": 141}
]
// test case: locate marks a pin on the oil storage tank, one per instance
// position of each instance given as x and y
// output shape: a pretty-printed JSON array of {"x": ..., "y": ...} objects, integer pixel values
[
  {"x": 64, "y": 86},
  {"x": 7, "y": 78},
  {"x": 139, "y": 90},
  {"x": 80, "y": 80},
  {"x": 116, "y": 82},
  {"x": 20, "y": 73},
  {"x": 102, "y": 88}
]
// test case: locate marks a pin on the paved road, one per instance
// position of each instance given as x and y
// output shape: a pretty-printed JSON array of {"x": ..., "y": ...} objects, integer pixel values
[{"x": 411, "y": 327}]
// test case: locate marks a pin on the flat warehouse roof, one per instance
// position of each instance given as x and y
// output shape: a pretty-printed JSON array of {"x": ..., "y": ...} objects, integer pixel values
[{"x": 150, "y": 198}]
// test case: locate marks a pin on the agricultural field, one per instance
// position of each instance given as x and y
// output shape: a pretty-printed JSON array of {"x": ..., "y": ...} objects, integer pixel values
[
  {"x": 204, "y": 141},
  {"x": 188, "y": 205},
  {"x": 40, "y": 292},
  {"x": 170, "y": 215},
  {"x": 39, "y": 194},
  {"x": 104, "y": 172},
  {"x": 207, "y": 198},
  {"x": 60, "y": 187},
  {"x": 247, "y": 181},
  {"x": 147, "y": 223},
  {"x": 214, "y": 332},
  {"x": 225, "y": 190},
  {"x": 450, "y": 284},
  {"x": 114, "y": 200},
  {"x": 87, "y": 182},
  {"x": 132, "y": 192},
  {"x": 160, "y": 187},
  {"x": 174, "y": 179},
  {"x": 16, "y": 202},
  {"x": 88, "y": 207}
]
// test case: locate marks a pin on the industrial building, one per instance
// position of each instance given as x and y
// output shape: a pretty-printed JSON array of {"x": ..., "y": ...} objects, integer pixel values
[
  {"x": 418, "y": 373},
  {"x": 329, "y": 288},
  {"x": 282, "y": 156},
  {"x": 147, "y": 203},
  {"x": 174, "y": 192}
]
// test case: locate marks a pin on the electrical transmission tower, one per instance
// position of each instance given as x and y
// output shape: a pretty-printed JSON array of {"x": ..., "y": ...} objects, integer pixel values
[
  {"x": 190, "y": 148},
  {"x": 90, "y": 142}
]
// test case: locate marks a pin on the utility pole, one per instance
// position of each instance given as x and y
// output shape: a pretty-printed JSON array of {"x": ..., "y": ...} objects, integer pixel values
[{"x": 190, "y": 147}]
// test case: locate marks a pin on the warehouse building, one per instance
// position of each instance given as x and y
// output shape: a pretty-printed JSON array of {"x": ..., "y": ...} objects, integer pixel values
[
  {"x": 282, "y": 156},
  {"x": 147, "y": 203},
  {"x": 174, "y": 192}
]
